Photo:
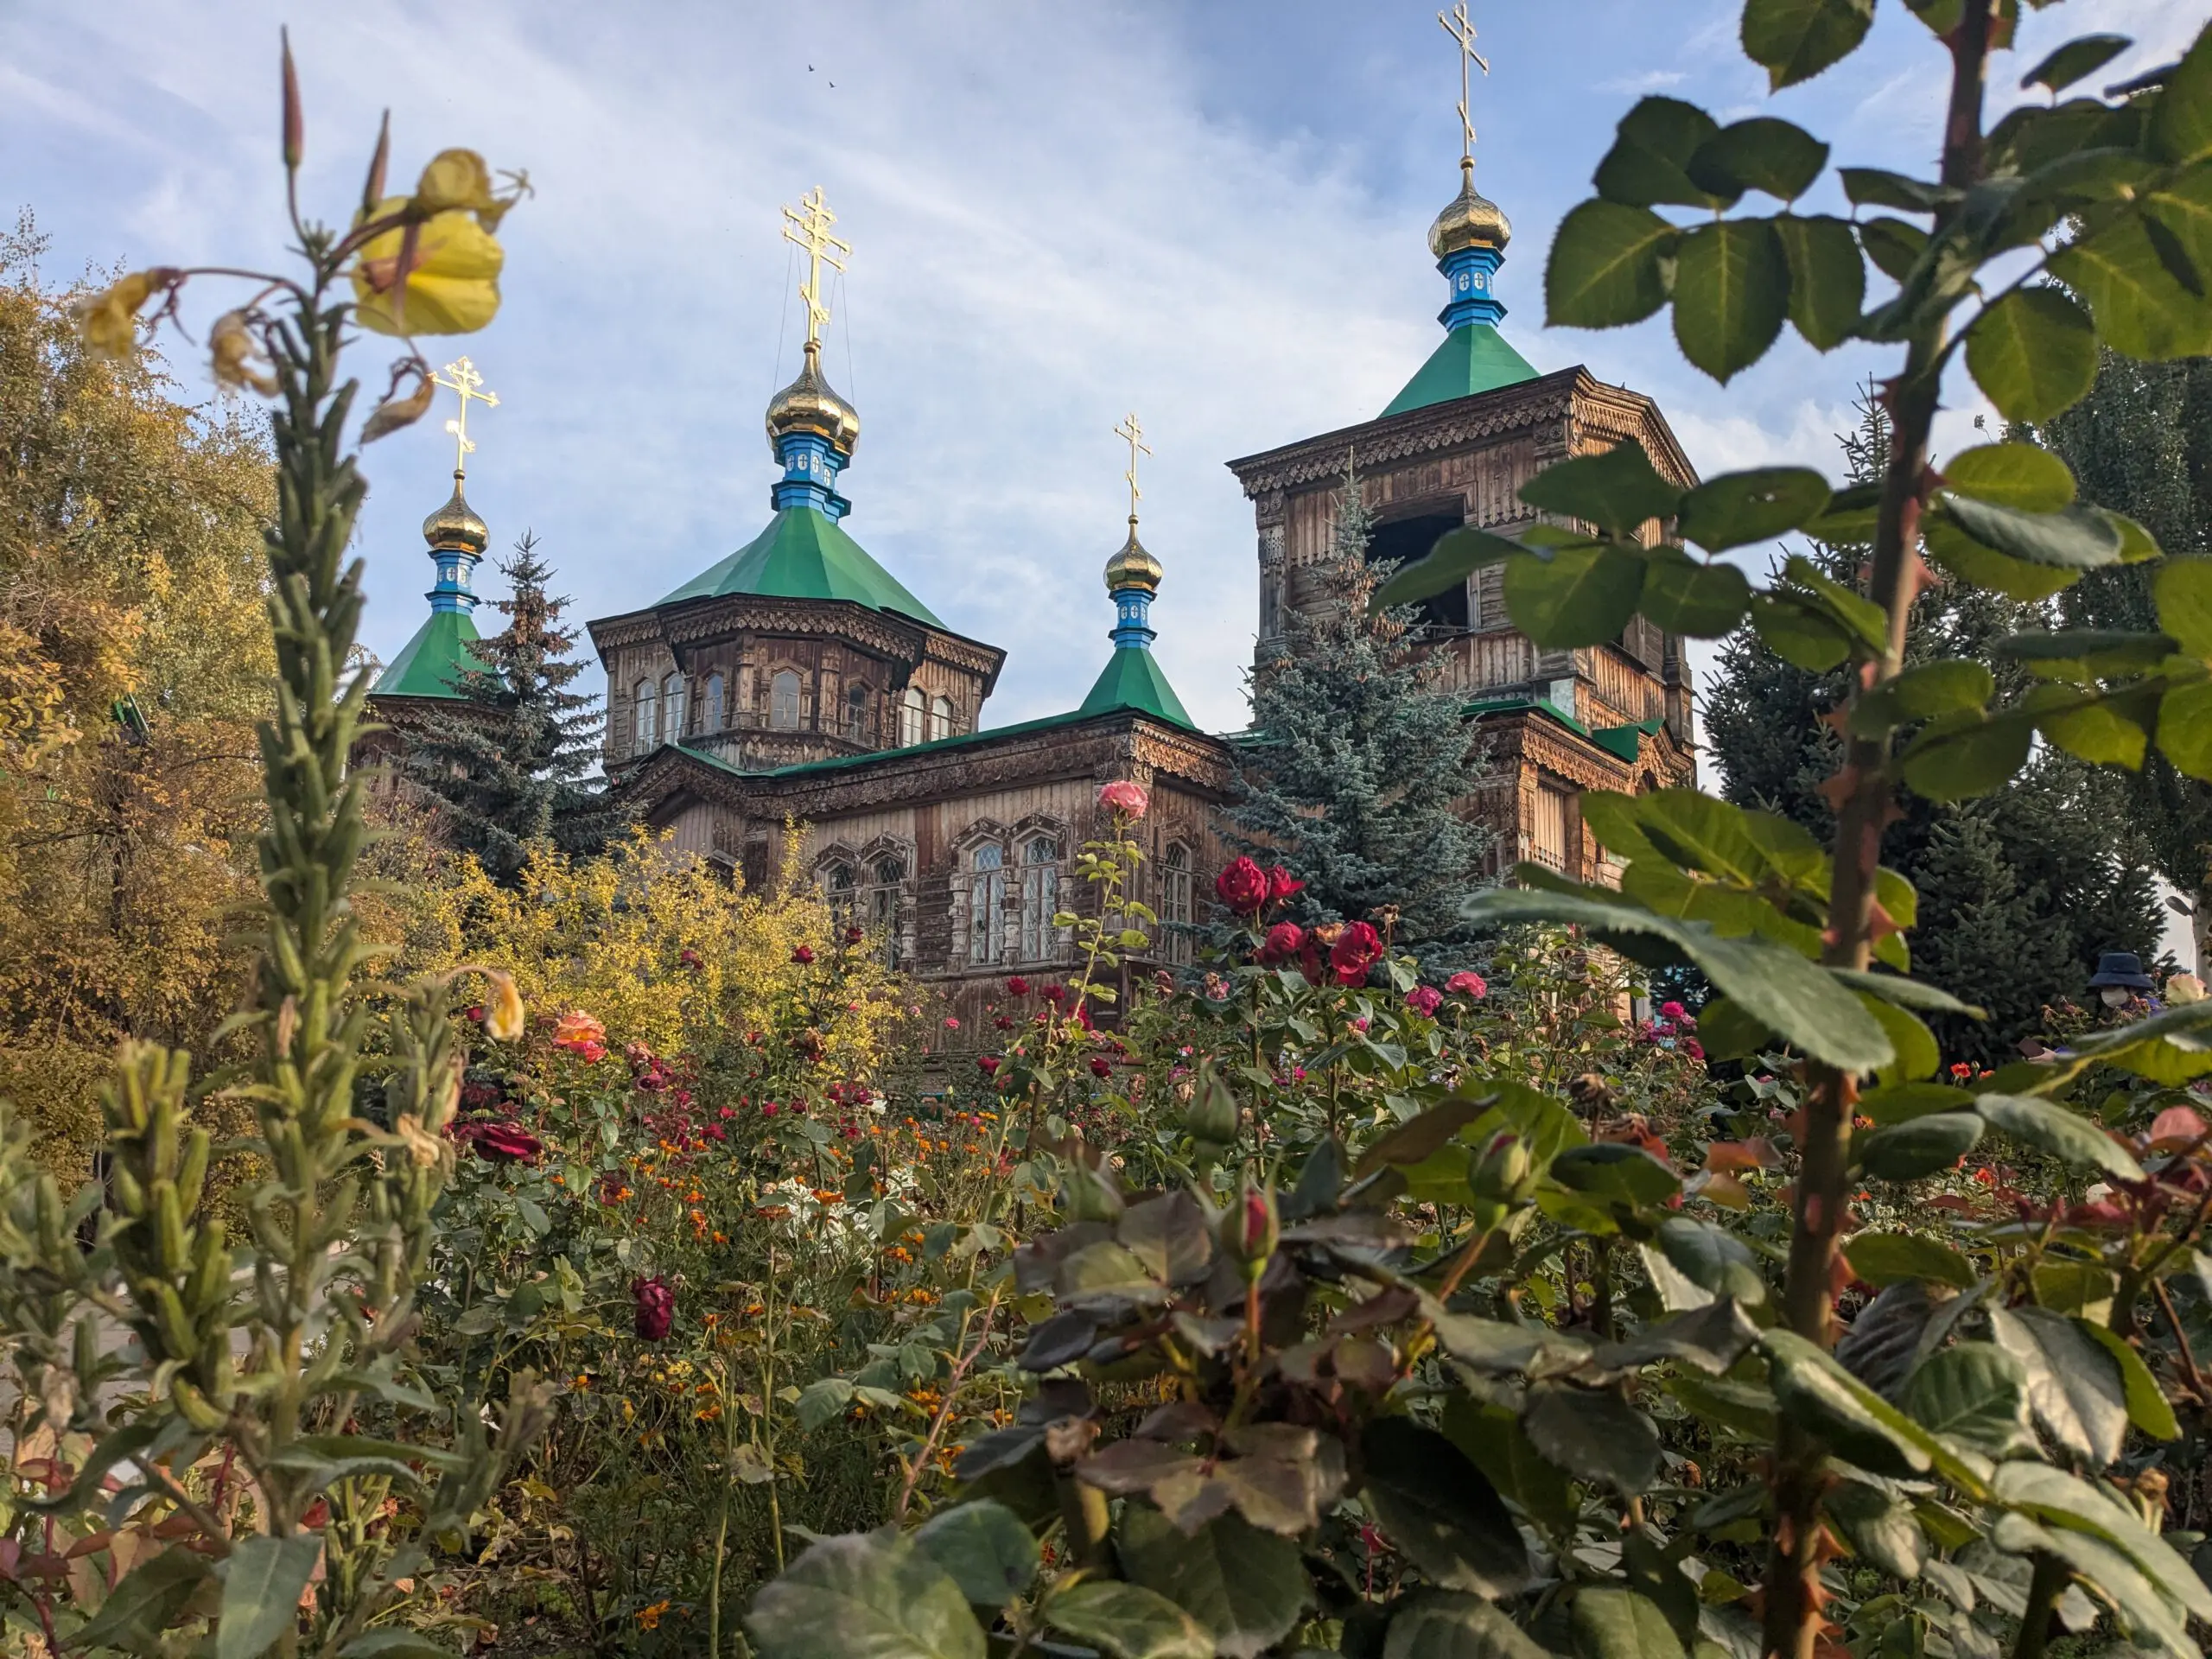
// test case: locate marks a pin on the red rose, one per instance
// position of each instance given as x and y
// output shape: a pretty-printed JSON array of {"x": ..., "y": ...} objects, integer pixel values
[
  {"x": 501, "y": 1142},
  {"x": 989, "y": 1063},
  {"x": 1425, "y": 999},
  {"x": 1692, "y": 1047},
  {"x": 1284, "y": 941},
  {"x": 856, "y": 935},
  {"x": 655, "y": 1310},
  {"x": 1101, "y": 1066},
  {"x": 1358, "y": 949},
  {"x": 1242, "y": 887},
  {"x": 690, "y": 958},
  {"x": 803, "y": 955},
  {"x": 1281, "y": 884},
  {"x": 1017, "y": 986}
]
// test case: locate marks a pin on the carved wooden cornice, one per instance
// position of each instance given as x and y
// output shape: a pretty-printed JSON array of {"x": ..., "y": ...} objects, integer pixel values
[{"x": 902, "y": 639}]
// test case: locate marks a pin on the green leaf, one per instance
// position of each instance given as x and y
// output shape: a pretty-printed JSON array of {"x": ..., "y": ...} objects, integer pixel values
[
  {"x": 1649, "y": 162},
  {"x": 2181, "y": 121},
  {"x": 1438, "y": 1625},
  {"x": 1814, "y": 1391},
  {"x": 2171, "y": 1046},
  {"x": 2048, "y": 1127},
  {"x": 1921, "y": 1146},
  {"x": 1874, "y": 187},
  {"x": 2034, "y": 353},
  {"x": 1594, "y": 1433},
  {"x": 1701, "y": 600},
  {"x": 2143, "y": 1612},
  {"x": 1961, "y": 756},
  {"x": 822, "y": 1401},
  {"x": 1893, "y": 245},
  {"x": 2076, "y": 58},
  {"x": 2147, "y": 1406},
  {"x": 1886, "y": 1259},
  {"x": 983, "y": 1547},
  {"x": 1728, "y": 1033},
  {"x": 2074, "y": 537},
  {"x": 2181, "y": 588},
  {"x": 2053, "y": 1496},
  {"x": 2025, "y": 476},
  {"x": 261, "y": 1592},
  {"x": 871, "y": 1593},
  {"x": 1852, "y": 609},
  {"x": 1615, "y": 490},
  {"x": 1245, "y": 1587},
  {"x": 393, "y": 1642},
  {"x": 1761, "y": 153},
  {"x": 140, "y": 1610},
  {"x": 1794, "y": 40},
  {"x": 1917, "y": 1055},
  {"x": 1907, "y": 993},
  {"x": 1800, "y": 635},
  {"x": 1457, "y": 555},
  {"x": 1738, "y": 509},
  {"x": 1712, "y": 1258},
  {"x": 2112, "y": 730},
  {"x": 1579, "y": 596},
  {"x": 1827, "y": 277},
  {"x": 2140, "y": 309},
  {"x": 1610, "y": 264},
  {"x": 2185, "y": 728},
  {"x": 1621, "y": 1625},
  {"x": 1923, "y": 693},
  {"x": 1440, "y": 1510},
  {"x": 1911, "y": 1100},
  {"x": 1879, "y": 1526},
  {"x": 1493, "y": 1439},
  {"x": 1801, "y": 1003},
  {"x": 1731, "y": 293},
  {"x": 1976, "y": 1392},
  {"x": 2082, "y": 656},
  {"x": 1128, "y": 1621},
  {"x": 2074, "y": 1387},
  {"x": 1616, "y": 1171},
  {"x": 1960, "y": 556}
]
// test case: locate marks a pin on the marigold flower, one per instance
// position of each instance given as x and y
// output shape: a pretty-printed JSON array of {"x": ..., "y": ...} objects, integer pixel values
[{"x": 451, "y": 286}]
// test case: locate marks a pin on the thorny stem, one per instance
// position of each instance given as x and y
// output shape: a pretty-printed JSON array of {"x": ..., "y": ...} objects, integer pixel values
[
  {"x": 2190, "y": 1373},
  {"x": 2044, "y": 1589},
  {"x": 1862, "y": 797},
  {"x": 944, "y": 1414}
]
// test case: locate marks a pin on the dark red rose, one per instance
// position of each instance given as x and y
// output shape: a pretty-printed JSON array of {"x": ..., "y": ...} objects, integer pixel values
[
  {"x": 1425, "y": 999},
  {"x": 989, "y": 1063},
  {"x": 1242, "y": 887},
  {"x": 1284, "y": 941},
  {"x": 473, "y": 1011},
  {"x": 501, "y": 1141},
  {"x": 1358, "y": 949},
  {"x": 1017, "y": 986},
  {"x": 856, "y": 936},
  {"x": 655, "y": 1311},
  {"x": 690, "y": 958},
  {"x": 1101, "y": 1066},
  {"x": 1054, "y": 993},
  {"x": 1281, "y": 884},
  {"x": 803, "y": 955}
]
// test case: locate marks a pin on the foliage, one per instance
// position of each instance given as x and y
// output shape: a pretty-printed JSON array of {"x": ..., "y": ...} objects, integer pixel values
[
  {"x": 134, "y": 659},
  {"x": 1359, "y": 756},
  {"x": 510, "y": 758}
]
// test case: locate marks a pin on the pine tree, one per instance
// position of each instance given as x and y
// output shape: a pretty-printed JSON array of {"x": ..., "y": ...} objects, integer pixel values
[
  {"x": 2019, "y": 891},
  {"x": 2141, "y": 444},
  {"x": 508, "y": 759},
  {"x": 1360, "y": 758}
]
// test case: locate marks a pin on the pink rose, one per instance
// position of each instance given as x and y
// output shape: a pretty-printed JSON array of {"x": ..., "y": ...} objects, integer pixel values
[
  {"x": 1425, "y": 999},
  {"x": 1125, "y": 798},
  {"x": 1466, "y": 984}
]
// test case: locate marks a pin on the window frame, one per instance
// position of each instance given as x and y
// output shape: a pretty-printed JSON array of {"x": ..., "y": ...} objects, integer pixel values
[
  {"x": 987, "y": 903},
  {"x": 1037, "y": 940},
  {"x": 779, "y": 681}
]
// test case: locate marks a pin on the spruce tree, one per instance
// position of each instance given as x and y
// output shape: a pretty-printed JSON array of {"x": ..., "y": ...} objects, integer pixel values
[
  {"x": 1360, "y": 760},
  {"x": 2141, "y": 444},
  {"x": 510, "y": 759},
  {"x": 2019, "y": 891}
]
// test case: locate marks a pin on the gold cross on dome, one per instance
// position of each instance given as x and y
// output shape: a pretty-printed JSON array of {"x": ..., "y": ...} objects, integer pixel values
[
  {"x": 1457, "y": 26},
  {"x": 808, "y": 224},
  {"x": 1129, "y": 430},
  {"x": 460, "y": 378}
]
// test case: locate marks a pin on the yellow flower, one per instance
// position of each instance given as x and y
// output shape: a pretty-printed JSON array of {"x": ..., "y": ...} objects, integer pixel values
[
  {"x": 108, "y": 319},
  {"x": 452, "y": 284},
  {"x": 503, "y": 1018},
  {"x": 233, "y": 351}
]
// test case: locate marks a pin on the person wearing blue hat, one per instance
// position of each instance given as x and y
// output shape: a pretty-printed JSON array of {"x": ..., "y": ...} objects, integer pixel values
[{"x": 2119, "y": 977}]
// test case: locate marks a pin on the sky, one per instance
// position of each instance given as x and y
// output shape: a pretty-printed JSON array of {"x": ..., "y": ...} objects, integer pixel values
[{"x": 1213, "y": 214}]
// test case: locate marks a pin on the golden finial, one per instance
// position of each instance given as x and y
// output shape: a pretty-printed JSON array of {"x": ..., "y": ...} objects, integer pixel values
[
  {"x": 1462, "y": 32},
  {"x": 808, "y": 224},
  {"x": 460, "y": 378},
  {"x": 1129, "y": 430}
]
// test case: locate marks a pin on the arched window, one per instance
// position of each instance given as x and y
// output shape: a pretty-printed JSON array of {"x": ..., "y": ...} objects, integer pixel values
[
  {"x": 671, "y": 716},
  {"x": 1175, "y": 901},
  {"x": 887, "y": 878},
  {"x": 987, "y": 903},
  {"x": 711, "y": 715},
  {"x": 644, "y": 734},
  {"x": 940, "y": 718},
  {"x": 913, "y": 717},
  {"x": 841, "y": 887},
  {"x": 859, "y": 703},
  {"x": 1040, "y": 897},
  {"x": 783, "y": 700}
]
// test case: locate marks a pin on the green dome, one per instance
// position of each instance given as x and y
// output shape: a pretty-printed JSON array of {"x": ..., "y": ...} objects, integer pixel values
[{"x": 804, "y": 554}]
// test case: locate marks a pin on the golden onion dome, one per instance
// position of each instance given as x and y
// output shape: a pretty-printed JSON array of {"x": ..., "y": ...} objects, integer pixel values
[
  {"x": 1469, "y": 219},
  {"x": 809, "y": 405},
  {"x": 1132, "y": 567},
  {"x": 456, "y": 525}
]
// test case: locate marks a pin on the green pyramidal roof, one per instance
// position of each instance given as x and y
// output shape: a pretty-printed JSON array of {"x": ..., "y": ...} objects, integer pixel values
[
  {"x": 1472, "y": 358},
  {"x": 428, "y": 664},
  {"x": 1132, "y": 679},
  {"x": 804, "y": 554}
]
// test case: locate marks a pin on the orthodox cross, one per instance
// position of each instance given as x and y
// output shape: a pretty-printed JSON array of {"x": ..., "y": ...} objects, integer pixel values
[
  {"x": 460, "y": 378},
  {"x": 1129, "y": 430},
  {"x": 1457, "y": 26},
  {"x": 808, "y": 224}
]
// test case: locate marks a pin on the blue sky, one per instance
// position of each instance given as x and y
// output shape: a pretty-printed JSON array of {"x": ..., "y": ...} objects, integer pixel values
[{"x": 1210, "y": 213}]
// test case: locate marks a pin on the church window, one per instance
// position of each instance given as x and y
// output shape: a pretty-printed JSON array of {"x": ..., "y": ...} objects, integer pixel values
[
  {"x": 940, "y": 718},
  {"x": 1175, "y": 901},
  {"x": 1040, "y": 897},
  {"x": 858, "y": 701},
  {"x": 1552, "y": 828},
  {"x": 711, "y": 714},
  {"x": 671, "y": 697},
  {"x": 914, "y": 714},
  {"x": 889, "y": 878},
  {"x": 987, "y": 903},
  {"x": 841, "y": 887},
  {"x": 643, "y": 732},
  {"x": 783, "y": 700}
]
